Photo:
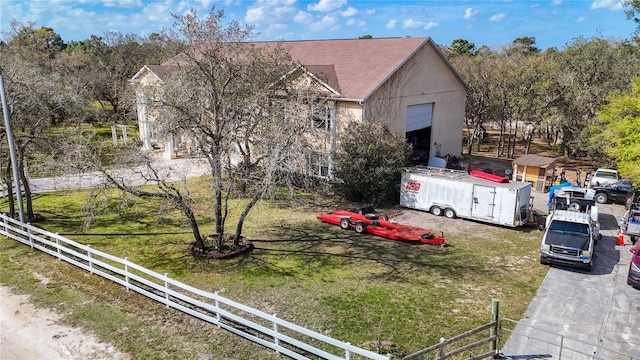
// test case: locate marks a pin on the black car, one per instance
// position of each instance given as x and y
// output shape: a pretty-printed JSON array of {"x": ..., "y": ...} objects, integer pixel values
[{"x": 617, "y": 192}]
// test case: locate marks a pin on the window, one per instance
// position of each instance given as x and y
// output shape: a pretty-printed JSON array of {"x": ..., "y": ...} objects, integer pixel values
[
  {"x": 319, "y": 165},
  {"x": 321, "y": 117}
]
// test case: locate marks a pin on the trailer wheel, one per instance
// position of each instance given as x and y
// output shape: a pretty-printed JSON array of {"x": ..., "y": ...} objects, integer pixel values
[
  {"x": 449, "y": 213},
  {"x": 383, "y": 216},
  {"x": 344, "y": 223},
  {"x": 436, "y": 211},
  {"x": 360, "y": 227}
]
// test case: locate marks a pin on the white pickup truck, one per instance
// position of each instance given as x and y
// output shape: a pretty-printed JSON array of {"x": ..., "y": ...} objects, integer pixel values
[{"x": 570, "y": 232}]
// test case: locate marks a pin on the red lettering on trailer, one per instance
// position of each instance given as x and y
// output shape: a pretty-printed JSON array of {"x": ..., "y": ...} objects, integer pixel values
[{"x": 413, "y": 186}]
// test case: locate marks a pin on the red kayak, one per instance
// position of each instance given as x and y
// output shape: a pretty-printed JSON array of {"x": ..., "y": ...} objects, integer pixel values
[{"x": 381, "y": 226}]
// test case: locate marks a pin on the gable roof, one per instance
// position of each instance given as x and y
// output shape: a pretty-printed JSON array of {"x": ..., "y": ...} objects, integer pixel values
[
  {"x": 159, "y": 71},
  {"x": 360, "y": 65},
  {"x": 353, "y": 67},
  {"x": 534, "y": 160}
]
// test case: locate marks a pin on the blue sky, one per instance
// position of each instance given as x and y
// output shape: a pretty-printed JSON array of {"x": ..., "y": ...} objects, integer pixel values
[{"x": 483, "y": 22}]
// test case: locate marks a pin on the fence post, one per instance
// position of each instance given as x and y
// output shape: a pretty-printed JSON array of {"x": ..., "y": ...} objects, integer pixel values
[
  {"x": 347, "y": 353},
  {"x": 276, "y": 339},
  {"x": 90, "y": 260},
  {"x": 440, "y": 350},
  {"x": 126, "y": 272},
  {"x": 495, "y": 312},
  {"x": 58, "y": 247},
  {"x": 217, "y": 309},
  {"x": 166, "y": 289},
  {"x": 29, "y": 234}
]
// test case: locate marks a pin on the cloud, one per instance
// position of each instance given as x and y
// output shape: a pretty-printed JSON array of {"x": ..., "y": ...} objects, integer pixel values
[
  {"x": 326, "y": 5},
  {"x": 581, "y": 19},
  {"x": 349, "y": 12},
  {"x": 497, "y": 17},
  {"x": 254, "y": 15},
  {"x": 303, "y": 17},
  {"x": 122, "y": 3},
  {"x": 606, "y": 4},
  {"x": 354, "y": 22},
  {"x": 370, "y": 11},
  {"x": 391, "y": 24},
  {"x": 470, "y": 13},
  {"x": 328, "y": 21},
  {"x": 556, "y": 2},
  {"x": 413, "y": 24},
  {"x": 270, "y": 11}
]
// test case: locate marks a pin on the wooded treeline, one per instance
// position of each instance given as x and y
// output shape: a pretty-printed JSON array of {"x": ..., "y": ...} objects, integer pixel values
[{"x": 554, "y": 95}]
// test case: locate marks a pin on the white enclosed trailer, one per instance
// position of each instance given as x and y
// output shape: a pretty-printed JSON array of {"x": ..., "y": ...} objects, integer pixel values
[{"x": 455, "y": 193}]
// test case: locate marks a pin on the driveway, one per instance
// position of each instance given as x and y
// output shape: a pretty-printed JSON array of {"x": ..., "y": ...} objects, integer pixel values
[
  {"x": 597, "y": 307},
  {"x": 171, "y": 170}
]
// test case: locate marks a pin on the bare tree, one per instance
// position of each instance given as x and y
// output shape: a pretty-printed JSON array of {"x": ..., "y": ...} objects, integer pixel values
[{"x": 240, "y": 104}]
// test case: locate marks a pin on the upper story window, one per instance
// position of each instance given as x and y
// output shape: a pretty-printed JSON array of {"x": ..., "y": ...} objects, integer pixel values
[{"x": 321, "y": 116}]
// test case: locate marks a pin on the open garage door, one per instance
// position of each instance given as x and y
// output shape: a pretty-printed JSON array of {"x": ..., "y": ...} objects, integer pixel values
[
  {"x": 418, "y": 131},
  {"x": 419, "y": 116}
]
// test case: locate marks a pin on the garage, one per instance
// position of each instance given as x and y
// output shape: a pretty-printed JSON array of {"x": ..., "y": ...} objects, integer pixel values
[{"x": 418, "y": 130}]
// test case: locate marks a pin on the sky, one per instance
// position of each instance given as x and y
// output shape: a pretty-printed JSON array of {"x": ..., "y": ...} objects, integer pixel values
[{"x": 494, "y": 23}]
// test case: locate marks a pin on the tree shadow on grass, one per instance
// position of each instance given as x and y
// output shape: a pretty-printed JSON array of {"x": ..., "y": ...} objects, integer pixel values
[{"x": 317, "y": 248}]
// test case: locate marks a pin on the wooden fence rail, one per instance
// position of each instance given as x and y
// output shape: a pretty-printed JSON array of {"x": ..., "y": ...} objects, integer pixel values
[{"x": 265, "y": 329}]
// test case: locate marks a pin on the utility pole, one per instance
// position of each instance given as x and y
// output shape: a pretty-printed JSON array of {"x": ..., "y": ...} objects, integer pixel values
[{"x": 12, "y": 150}]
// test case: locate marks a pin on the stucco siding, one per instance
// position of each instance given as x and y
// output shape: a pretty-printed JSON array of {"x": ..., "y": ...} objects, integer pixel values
[{"x": 425, "y": 78}]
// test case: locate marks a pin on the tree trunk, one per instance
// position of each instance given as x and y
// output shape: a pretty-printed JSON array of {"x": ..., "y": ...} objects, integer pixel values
[{"x": 188, "y": 212}]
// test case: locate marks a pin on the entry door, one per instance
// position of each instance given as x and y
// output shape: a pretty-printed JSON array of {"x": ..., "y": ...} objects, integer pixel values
[{"x": 483, "y": 202}]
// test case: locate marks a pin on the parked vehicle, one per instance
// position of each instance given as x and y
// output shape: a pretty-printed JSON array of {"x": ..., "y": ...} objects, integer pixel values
[
  {"x": 630, "y": 224},
  {"x": 603, "y": 177},
  {"x": 617, "y": 192},
  {"x": 476, "y": 195},
  {"x": 571, "y": 229},
  {"x": 633, "y": 278}
]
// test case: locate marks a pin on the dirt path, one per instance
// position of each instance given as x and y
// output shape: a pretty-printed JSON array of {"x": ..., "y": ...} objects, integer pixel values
[{"x": 30, "y": 333}]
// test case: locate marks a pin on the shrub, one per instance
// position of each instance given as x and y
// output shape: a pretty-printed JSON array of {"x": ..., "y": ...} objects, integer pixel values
[{"x": 369, "y": 163}]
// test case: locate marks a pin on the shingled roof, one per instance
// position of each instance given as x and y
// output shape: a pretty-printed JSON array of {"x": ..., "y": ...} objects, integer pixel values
[{"x": 353, "y": 67}]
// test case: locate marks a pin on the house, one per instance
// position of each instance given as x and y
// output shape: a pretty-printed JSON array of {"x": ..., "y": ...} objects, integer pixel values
[{"x": 407, "y": 82}]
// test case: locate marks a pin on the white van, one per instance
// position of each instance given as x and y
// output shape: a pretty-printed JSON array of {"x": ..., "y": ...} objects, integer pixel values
[{"x": 603, "y": 177}]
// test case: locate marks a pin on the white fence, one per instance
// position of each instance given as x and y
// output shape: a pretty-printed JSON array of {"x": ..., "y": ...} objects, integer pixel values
[{"x": 268, "y": 330}]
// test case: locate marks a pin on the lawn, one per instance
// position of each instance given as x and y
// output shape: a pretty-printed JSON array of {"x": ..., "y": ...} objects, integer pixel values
[{"x": 356, "y": 288}]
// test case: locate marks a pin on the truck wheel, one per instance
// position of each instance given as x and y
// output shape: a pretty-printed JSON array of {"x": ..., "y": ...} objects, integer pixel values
[
  {"x": 360, "y": 227},
  {"x": 436, "y": 211},
  {"x": 601, "y": 198},
  {"x": 344, "y": 223},
  {"x": 449, "y": 213}
]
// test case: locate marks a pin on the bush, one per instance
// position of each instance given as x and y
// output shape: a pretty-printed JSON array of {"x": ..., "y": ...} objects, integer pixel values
[{"x": 369, "y": 163}]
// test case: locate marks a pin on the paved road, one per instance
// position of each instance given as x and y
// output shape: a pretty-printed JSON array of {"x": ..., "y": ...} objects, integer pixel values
[
  {"x": 597, "y": 307},
  {"x": 174, "y": 170}
]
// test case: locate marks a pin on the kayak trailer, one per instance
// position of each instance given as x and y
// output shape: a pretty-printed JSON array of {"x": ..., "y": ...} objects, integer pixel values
[{"x": 380, "y": 225}]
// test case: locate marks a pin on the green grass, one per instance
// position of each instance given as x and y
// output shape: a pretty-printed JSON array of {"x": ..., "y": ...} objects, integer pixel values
[{"x": 355, "y": 288}]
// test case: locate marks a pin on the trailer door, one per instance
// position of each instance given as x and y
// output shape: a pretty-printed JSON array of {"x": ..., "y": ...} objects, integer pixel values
[{"x": 483, "y": 202}]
